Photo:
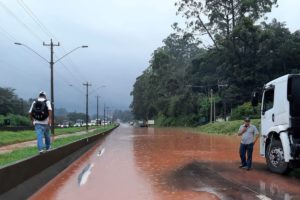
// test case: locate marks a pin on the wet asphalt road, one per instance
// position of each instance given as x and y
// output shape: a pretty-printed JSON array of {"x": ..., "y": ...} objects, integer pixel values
[{"x": 148, "y": 163}]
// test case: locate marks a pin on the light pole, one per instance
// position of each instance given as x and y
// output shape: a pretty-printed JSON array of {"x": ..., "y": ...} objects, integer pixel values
[
  {"x": 97, "y": 121},
  {"x": 107, "y": 109},
  {"x": 102, "y": 86},
  {"x": 51, "y": 62},
  {"x": 211, "y": 105},
  {"x": 212, "y": 100},
  {"x": 104, "y": 115},
  {"x": 87, "y": 105}
]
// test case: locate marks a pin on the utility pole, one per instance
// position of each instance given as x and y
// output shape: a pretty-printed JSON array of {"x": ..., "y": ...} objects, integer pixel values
[
  {"x": 211, "y": 105},
  {"x": 97, "y": 122},
  {"x": 51, "y": 45},
  {"x": 104, "y": 116},
  {"x": 87, "y": 105},
  {"x": 214, "y": 110},
  {"x": 52, "y": 85}
]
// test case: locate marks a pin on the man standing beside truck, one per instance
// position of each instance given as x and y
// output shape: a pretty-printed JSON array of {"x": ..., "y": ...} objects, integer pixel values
[{"x": 249, "y": 135}]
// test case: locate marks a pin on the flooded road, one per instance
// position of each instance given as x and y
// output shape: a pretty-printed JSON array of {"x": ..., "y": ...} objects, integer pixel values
[{"x": 172, "y": 164}]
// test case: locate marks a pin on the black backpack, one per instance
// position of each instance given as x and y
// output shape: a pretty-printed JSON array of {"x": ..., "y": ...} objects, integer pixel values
[{"x": 40, "y": 110}]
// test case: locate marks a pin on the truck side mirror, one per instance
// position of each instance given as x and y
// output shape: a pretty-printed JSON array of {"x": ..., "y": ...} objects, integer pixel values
[{"x": 254, "y": 99}]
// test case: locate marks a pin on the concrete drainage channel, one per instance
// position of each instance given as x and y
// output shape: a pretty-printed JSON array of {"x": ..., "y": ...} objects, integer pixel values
[{"x": 20, "y": 180}]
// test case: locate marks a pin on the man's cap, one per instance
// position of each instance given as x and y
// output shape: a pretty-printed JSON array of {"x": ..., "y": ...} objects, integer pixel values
[
  {"x": 42, "y": 93},
  {"x": 247, "y": 119}
]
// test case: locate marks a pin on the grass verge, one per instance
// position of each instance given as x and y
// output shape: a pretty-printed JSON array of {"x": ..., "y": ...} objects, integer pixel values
[
  {"x": 224, "y": 128},
  {"x": 26, "y": 152},
  {"x": 12, "y": 137}
]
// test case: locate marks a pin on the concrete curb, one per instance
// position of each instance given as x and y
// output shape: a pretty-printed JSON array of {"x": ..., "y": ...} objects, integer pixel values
[{"x": 20, "y": 180}]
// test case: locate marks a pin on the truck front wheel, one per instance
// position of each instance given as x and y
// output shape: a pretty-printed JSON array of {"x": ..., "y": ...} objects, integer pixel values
[{"x": 275, "y": 158}]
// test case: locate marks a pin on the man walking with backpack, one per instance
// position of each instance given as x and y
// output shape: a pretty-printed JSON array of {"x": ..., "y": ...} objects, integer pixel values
[{"x": 41, "y": 114}]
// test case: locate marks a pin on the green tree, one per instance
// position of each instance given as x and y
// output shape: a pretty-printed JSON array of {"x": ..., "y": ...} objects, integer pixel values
[
  {"x": 175, "y": 88},
  {"x": 123, "y": 115},
  {"x": 10, "y": 103},
  {"x": 73, "y": 116},
  {"x": 222, "y": 15}
]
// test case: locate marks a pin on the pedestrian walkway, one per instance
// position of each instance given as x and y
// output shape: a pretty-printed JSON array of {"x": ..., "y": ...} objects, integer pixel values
[{"x": 32, "y": 143}]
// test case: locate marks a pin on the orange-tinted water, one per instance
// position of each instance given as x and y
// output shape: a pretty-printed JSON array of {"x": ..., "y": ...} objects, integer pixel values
[{"x": 149, "y": 163}]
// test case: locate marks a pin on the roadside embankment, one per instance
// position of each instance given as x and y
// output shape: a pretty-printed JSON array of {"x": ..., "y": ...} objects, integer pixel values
[{"x": 225, "y": 128}]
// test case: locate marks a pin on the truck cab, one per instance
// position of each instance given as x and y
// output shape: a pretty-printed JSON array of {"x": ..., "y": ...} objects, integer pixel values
[{"x": 280, "y": 123}]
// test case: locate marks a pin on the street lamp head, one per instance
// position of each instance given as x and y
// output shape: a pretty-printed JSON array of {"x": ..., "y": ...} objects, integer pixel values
[
  {"x": 18, "y": 43},
  {"x": 84, "y": 46}
]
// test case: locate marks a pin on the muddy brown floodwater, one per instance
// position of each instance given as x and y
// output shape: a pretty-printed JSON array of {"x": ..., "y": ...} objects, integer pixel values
[{"x": 172, "y": 164}]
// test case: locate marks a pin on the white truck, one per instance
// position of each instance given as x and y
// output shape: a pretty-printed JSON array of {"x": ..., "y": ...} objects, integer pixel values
[{"x": 280, "y": 123}]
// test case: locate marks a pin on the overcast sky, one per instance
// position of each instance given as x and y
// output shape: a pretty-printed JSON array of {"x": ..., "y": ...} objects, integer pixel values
[{"x": 121, "y": 36}]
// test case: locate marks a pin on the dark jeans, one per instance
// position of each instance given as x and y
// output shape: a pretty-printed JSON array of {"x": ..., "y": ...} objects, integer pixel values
[{"x": 246, "y": 148}]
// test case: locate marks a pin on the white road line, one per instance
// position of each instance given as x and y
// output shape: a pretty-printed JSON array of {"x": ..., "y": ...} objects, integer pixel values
[
  {"x": 84, "y": 175},
  {"x": 263, "y": 197},
  {"x": 100, "y": 153}
]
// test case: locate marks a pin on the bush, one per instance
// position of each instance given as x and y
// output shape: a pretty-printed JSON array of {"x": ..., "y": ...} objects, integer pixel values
[
  {"x": 229, "y": 128},
  {"x": 15, "y": 120},
  {"x": 189, "y": 120},
  {"x": 245, "y": 110}
]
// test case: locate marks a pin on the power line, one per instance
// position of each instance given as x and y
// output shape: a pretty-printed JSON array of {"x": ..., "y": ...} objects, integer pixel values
[
  {"x": 42, "y": 27},
  {"x": 7, "y": 34},
  {"x": 47, "y": 32},
  {"x": 70, "y": 84},
  {"x": 75, "y": 67},
  {"x": 70, "y": 71},
  {"x": 20, "y": 21},
  {"x": 36, "y": 19}
]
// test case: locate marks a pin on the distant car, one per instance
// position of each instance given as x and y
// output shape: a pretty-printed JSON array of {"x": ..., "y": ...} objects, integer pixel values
[
  {"x": 77, "y": 125},
  {"x": 63, "y": 125},
  {"x": 142, "y": 124},
  {"x": 93, "y": 123}
]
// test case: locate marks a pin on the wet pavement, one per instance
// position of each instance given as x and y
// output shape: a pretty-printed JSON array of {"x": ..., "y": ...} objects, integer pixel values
[{"x": 172, "y": 164}]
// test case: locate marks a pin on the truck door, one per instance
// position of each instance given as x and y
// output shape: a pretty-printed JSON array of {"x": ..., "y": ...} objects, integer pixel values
[{"x": 267, "y": 114}]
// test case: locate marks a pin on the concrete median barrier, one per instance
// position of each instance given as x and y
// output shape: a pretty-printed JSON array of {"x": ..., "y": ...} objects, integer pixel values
[{"x": 20, "y": 180}]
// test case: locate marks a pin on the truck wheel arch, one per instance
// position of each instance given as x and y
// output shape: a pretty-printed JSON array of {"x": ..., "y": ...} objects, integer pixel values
[
  {"x": 283, "y": 138},
  {"x": 268, "y": 140}
]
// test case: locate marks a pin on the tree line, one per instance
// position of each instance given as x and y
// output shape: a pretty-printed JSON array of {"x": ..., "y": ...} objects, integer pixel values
[
  {"x": 182, "y": 79},
  {"x": 16, "y": 110}
]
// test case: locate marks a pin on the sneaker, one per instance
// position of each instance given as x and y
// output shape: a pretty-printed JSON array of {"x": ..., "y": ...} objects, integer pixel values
[
  {"x": 41, "y": 151},
  {"x": 242, "y": 166},
  {"x": 48, "y": 149}
]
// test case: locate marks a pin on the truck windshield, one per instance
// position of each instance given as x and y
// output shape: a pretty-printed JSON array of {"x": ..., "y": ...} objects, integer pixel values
[{"x": 294, "y": 95}]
